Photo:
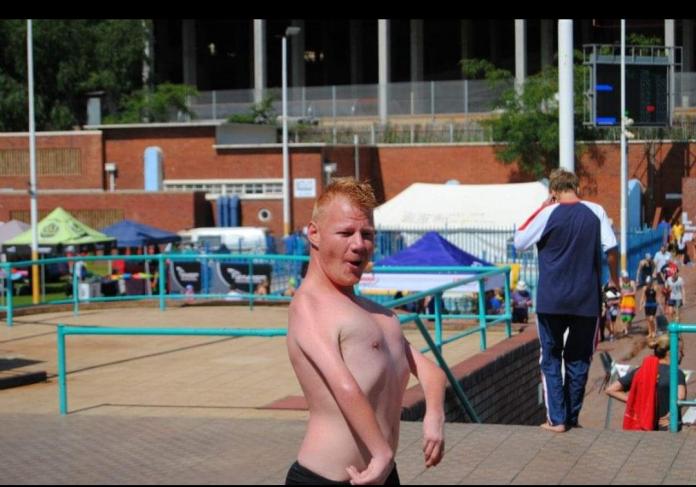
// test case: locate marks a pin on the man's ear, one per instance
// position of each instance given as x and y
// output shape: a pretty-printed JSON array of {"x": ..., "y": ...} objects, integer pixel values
[{"x": 313, "y": 234}]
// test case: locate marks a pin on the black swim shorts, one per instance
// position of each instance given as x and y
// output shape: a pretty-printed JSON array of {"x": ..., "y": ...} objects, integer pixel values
[{"x": 299, "y": 475}]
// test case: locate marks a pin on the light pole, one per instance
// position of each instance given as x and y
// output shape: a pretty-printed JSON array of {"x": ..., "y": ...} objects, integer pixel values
[
  {"x": 566, "y": 129},
  {"x": 624, "y": 161},
  {"x": 32, "y": 169},
  {"x": 290, "y": 31}
]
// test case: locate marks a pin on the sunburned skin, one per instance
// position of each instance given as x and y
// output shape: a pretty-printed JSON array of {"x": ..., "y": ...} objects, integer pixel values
[
  {"x": 362, "y": 337},
  {"x": 352, "y": 360}
]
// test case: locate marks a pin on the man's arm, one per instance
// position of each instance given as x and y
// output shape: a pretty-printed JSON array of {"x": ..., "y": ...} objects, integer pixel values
[
  {"x": 320, "y": 344},
  {"x": 530, "y": 231},
  {"x": 433, "y": 381},
  {"x": 616, "y": 391},
  {"x": 681, "y": 395}
]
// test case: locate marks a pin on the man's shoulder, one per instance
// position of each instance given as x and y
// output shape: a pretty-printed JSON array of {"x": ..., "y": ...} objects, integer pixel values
[
  {"x": 304, "y": 309},
  {"x": 596, "y": 208},
  {"x": 310, "y": 308},
  {"x": 372, "y": 306}
]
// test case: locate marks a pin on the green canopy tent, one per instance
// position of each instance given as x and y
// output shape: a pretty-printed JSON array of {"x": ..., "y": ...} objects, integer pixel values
[
  {"x": 61, "y": 228},
  {"x": 58, "y": 230}
]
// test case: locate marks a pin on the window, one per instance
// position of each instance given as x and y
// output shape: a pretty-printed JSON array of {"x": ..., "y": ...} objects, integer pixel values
[
  {"x": 264, "y": 215},
  {"x": 244, "y": 188}
]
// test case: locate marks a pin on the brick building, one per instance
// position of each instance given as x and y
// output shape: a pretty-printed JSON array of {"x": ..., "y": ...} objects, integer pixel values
[{"x": 71, "y": 168}]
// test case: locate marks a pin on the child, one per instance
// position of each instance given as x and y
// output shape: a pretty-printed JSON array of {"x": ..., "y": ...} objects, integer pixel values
[
  {"x": 521, "y": 301},
  {"x": 649, "y": 303},
  {"x": 627, "y": 306},
  {"x": 610, "y": 304}
]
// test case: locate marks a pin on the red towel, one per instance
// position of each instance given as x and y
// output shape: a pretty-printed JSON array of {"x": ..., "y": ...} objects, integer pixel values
[{"x": 641, "y": 407}]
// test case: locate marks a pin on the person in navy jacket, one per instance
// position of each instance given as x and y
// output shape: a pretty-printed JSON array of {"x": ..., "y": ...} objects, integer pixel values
[{"x": 570, "y": 235}]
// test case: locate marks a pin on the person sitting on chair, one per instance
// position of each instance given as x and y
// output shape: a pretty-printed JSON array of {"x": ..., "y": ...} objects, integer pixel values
[{"x": 645, "y": 390}]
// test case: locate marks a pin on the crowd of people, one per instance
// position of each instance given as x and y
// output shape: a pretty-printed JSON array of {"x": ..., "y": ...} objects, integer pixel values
[{"x": 657, "y": 290}]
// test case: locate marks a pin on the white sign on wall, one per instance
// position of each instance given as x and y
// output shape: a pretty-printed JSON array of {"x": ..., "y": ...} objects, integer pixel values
[{"x": 305, "y": 187}]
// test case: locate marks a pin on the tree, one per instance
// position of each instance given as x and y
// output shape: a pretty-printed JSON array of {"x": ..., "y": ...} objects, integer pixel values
[
  {"x": 165, "y": 102},
  {"x": 71, "y": 59},
  {"x": 528, "y": 121},
  {"x": 261, "y": 112}
]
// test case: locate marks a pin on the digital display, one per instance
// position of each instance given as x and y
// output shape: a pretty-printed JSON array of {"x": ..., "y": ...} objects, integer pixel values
[{"x": 646, "y": 95}]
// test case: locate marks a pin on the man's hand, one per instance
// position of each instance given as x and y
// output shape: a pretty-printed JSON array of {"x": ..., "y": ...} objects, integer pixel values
[
  {"x": 376, "y": 472},
  {"x": 549, "y": 201},
  {"x": 433, "y": 439},
  {"x": 664, "y": 421}
]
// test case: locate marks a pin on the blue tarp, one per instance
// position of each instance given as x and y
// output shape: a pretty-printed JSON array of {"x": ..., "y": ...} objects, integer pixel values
[
  {"x": 432, "y": 250},
  {"x": 133, "y": 234}
]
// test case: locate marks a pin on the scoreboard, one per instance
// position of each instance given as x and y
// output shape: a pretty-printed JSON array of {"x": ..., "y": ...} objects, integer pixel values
[{"x": 647, "y": 94}]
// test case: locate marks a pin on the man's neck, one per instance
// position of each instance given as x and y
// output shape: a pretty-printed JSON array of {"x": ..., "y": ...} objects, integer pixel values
[
  {"x": 568, "y": 197},
  {"x": 322, "y": 281}
]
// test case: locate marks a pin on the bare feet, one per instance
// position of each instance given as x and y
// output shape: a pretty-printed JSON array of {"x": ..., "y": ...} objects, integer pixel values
[{"x": 556, "y": 429}]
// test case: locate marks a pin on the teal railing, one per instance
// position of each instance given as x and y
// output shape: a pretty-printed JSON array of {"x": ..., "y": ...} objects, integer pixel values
[
  {"x": 64, "y": 330},
  {"x": 284, "y": 266},
  {"x": 434, "y": 346},
  {"x": 479, "y": 274},
  {"x": 675, "y": 329}
]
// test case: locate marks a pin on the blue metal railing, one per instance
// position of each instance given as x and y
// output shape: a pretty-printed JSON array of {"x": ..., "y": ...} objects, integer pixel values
[
  {"x": 494, "y": 244},
  {"x": 479, "y": 275},
  {"x": 674, "y": 330},
  {"x": 64, "y": 330},
  {"x": 284, "y": 267},
  {"x": 434, "y": 346}
]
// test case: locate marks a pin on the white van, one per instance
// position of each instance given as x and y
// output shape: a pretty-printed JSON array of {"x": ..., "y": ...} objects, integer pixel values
[{"x": 247, "y": 240}]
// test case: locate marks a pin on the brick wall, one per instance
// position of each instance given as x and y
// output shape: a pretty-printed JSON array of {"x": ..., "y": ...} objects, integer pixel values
[
  {"x": 190, "y": 153},
  {"x": 168, "y": 211},
  {"x": 88, "y": 150},
  {"x": 689, "y": 198},
  {"x": 489, "y": 379},
  {"x": 659, "y": 166}
]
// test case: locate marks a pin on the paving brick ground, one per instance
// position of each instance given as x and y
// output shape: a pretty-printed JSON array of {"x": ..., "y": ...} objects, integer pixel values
[{"x": 84, "y": 449}]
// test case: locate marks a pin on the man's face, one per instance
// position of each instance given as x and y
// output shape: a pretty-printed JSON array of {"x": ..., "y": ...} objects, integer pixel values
[{"x": 344, "y": 237}]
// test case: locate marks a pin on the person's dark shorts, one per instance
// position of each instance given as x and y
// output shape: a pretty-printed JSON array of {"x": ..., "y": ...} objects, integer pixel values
[
  {"x": 520, "y": 315},
  {"x": 299, "y": 475},
  {"x": 650, "y": 310}
]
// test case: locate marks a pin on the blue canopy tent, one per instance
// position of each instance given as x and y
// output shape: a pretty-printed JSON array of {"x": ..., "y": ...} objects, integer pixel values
[
  {"x": 430, "y": 250},
  {"x": 133, "y": 234}
]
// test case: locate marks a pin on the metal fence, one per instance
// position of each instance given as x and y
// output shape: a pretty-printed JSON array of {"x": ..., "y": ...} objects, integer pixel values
[
  {"x": 685, "y": 90},
  {"x": 495, "y": 245},
  {"x": 427, "y": 98},
  {"x": 434, "y": 345},
  {"x": 375, "y": 133},
  {"x": 675, "y": 330},
  {"x": 491, "y": 244},
  {"x": 423, "y": 98},
  {"x": 166, "y": 278}
]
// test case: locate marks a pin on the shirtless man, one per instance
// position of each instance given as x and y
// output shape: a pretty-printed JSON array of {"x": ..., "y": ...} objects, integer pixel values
[{"x": 350, "y": 356}]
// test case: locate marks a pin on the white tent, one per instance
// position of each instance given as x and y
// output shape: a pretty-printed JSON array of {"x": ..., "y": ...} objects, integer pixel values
[
  {"x": 11, "y": 229},
  {"x": 455, "y": 206},
  {"x": 477, "y": 218}
]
